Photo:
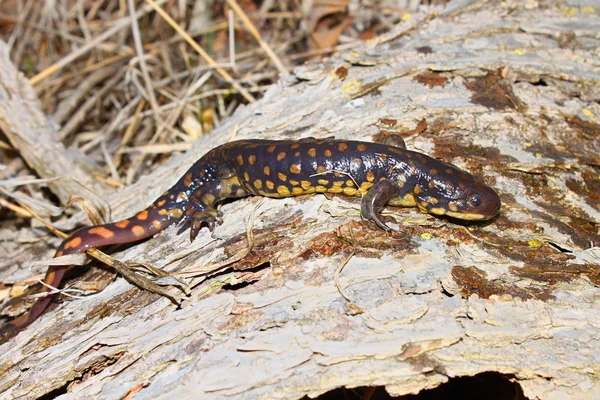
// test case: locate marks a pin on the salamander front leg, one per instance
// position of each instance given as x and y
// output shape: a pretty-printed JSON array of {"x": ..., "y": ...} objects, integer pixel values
[{"x": 375, "y": 199}]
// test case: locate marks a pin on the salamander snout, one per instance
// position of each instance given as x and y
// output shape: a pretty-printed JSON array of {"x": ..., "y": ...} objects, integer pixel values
[
  {"x": 470, "y": 199},
  {"x": 482, "y": 203}
]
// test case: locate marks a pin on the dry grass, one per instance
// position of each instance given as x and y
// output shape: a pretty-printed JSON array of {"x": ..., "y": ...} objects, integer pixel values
[{"x": 131, "y": 81}]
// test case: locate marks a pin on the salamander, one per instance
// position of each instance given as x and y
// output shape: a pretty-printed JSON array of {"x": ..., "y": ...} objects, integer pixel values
[{"x": 381, "y": 173}]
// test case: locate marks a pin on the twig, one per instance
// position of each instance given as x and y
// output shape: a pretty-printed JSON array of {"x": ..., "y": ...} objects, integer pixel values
[
  {"x": 338, "y": 270},
  {"x": 82, "y": 112},
  {"x": 119, "y": 25},
  {"x": 139, "y": 49},
  {"x": 128, "y": 133},
  {"x": 201, "y": 51},
  {"x": 242, "y": 15}
]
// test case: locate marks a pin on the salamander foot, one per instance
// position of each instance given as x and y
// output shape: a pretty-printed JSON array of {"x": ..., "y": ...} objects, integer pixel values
[{"x": 196, "y": 218}]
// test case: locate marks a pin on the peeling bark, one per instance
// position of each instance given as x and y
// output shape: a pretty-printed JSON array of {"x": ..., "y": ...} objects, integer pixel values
[{"x": 510, "y": 92}]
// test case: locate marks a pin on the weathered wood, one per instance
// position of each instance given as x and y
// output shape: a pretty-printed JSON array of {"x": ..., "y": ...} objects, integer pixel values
[
  {"x": 35, "y": 135},
  {"x": 510, "y": 91}
]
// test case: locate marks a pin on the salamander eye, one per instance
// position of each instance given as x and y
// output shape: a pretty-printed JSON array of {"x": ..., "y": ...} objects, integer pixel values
[{"x": 475, "y": 200}]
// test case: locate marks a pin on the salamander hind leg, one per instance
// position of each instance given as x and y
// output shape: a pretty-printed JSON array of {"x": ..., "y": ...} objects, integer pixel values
[
  {"x": 375, "y": 199},
  {"x": 201, "y": 207},
  {"x": 199, "y": 211}
]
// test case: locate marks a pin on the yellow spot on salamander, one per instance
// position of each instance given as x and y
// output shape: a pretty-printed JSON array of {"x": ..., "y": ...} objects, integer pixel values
[
  {"x": 295, "y": 146},
  {"x": 270, "y": 185},
  {"x": 418, "y": 189},
  {"x": 426, "y": 235},
  {"x": 297, "y": 191},
  {"x": 365, "y": 186},
  {"x": 437, "y": 211},
  {"x": 305, "y": 184},
  {"x": 321, "y": 169},
  {"x": 161, "y": 203},
  {"x": 335, "y": 189},
  {"x": 350, "y": 191},
  {"x": 294, "y": 182},
  {"x": 280, "y": 156},
  {"x": 282, "y": 177},
  {"x": 209, "y": 199},
  {"x": 246, "y": 177},
  {"x": 361, "y": 147},
  {"x": 173, "y": 212},
  {"x": 342, "y": 146},
  {"x": 283, "y": 190},
  {"x": 102, "y": 231},
  {"x": 138, "y": 230},
  {"x": 349, "y": 182},
  {"x": 453, "y": 207},
  {"x": 267, "y": 170},
  {"x": 142, "y": 216},
  {"x": 252, "y": 159},
  {"x": 312, "y": 152},
  {"x": 295, "y": 169},
  {"x": 258, "y": 183},
  {"x": 122, "y": 224},
  {"x": 240, "y": 160},
  {"x": 370, "y": 176},
  {"x": 156, "y": 224},
  {"x": 320, "y": 189},
  {"x": 327, "y": 153},
  {"x": 72, "y": 243},
  {"x": 323, "y": 182},
  {"x": 338, "y": 184},
  {"x": 271, "y": 148}
]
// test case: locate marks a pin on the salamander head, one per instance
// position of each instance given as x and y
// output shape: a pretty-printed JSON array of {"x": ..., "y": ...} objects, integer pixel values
[{"x": 457, "y": 194}]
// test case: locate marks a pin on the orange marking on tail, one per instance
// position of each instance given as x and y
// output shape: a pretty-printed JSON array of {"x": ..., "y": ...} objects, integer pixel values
[
  {"x": 138, "y": 230},
  {"x": 76, "y": 241},
  {"x": 142, "y": 216},
  {"x": 49, "y": 277},
  {"x": 58, "y": 253},
  {"x": 102, "y": 231},
  {"x": 187, "y": 181},
  {"x": 122, "y": 224},
  {"x": 161, "y": 203}
]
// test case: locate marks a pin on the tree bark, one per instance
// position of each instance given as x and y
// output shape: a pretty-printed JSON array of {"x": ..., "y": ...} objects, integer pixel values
[{"x": 511, "y": 92}]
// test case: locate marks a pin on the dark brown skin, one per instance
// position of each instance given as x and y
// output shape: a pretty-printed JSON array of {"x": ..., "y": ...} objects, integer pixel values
[{"x": 380, "y": 173}]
